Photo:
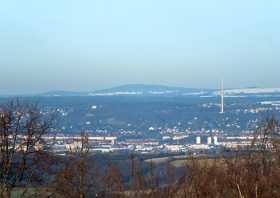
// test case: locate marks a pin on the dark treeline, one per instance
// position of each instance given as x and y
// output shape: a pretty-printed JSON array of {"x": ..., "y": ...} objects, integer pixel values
[{"x": 29, "y": 169}]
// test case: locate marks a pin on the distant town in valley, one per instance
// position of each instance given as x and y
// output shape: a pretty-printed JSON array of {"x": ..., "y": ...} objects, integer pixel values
[{"x": 148, "y": 119}]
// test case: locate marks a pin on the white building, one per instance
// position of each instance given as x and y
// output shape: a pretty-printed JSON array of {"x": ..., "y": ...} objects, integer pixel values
[
  {"x": 198, "y": 140},
  {"x": 215, "y": 140},
  {"x": 209, "y": 140}
]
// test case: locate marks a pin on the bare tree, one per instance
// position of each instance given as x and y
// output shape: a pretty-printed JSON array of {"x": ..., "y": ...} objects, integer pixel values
[
  {"x": 112, "y": 180},
  {"x": 22, "y": 127},
  {"x": 73, "y": 180},
  {"x": 254, "y": 173}
]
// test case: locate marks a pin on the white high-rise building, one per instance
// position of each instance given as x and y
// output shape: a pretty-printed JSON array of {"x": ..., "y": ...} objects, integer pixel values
[
  {"x": 209, "y": 140},
  {"x": 198, "y": 140},
  {"x": 215, "y": 140}
]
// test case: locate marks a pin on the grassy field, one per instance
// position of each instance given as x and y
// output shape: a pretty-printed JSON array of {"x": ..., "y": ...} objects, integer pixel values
[{"x": 201, "y": 161}]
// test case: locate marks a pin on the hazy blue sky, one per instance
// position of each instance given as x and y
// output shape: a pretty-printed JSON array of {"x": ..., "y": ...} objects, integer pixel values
[{"x": 87, "y": 45}]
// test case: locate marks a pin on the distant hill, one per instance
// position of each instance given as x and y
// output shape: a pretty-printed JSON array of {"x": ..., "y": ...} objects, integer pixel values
[
  {"x": 250, "y": 92},
  {"x": 63, "y": 93},
  {"x": 140, "y": 89},
  {"x": 161, "y": 90},
  {"x": 134, "y": 89}
]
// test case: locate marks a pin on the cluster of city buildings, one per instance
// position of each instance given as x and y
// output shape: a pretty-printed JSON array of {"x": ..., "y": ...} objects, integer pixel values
[
  {"x": 171, "y": 140},
  {"x": 167, "y": 144}
]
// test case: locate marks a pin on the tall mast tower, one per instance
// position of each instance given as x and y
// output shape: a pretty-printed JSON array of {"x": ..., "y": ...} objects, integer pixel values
[{"x": 222, "y": 97}]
